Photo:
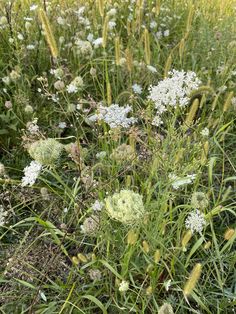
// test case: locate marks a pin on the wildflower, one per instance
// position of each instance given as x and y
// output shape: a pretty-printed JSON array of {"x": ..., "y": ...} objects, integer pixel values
[
  {"x": 195, "y": 221},
  {"x": 3, "y": 215},
  {"x": 205, "y": 132},
  {"x": 137, "y": 89},
  {"x": 33, "y": 7},
  {"x": 174, "y": 90},
  {"x": 74, "y": 86},
  {"x": 123, "y": 153},
  {"x": 101, "y": 155},
  {"x": 177, "y": 182},
  {"x": 153, "y": 24},
  {"x": 2, "y": 169},
  {"x": 3, "y": 20},
  {"x": 167, "y": 284},
  {"x": 59, "y": 85},
  {"x": 98, "y": 42},
  {"x": 62, "y": 125},
  {"x": 8, "y": 104},
  {"x": 166, "y": 33},
  {"x": 32, "y": 126},
  {"x": 31, "y": 173},
  {"x": 125, "y": 206},
  {"x": 152, "y": 69},
  {"x": 157, "y": 121},
  {"x": 30, "y": 47},
  {"x": 114, "y": 115},
  {"x": 84, "y": 47},
  {"x": 46, "y": 152},
  {"x": 97, "y": 206},
  {"x": 166, "y": 308},
  {"x": 199, "y": 200},
  {"x": 90, "y": 225},
  {"x": 124, "y": 286},
  {"x": 95, "y": 274}
]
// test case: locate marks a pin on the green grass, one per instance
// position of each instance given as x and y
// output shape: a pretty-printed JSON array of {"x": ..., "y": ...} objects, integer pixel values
[{"x": 40, "y": 239}]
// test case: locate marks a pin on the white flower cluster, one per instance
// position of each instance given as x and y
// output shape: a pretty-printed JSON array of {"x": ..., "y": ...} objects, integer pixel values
[
  {"x": 33, "y": 127},
  {"x": 177, "y": 182},
  {"x": 75, "y": 85},
  {"x": 31, "y": 173},
  {"x": 114, "y": 115},
  {"x": 173, "y": 91},
  {"x": 97, "y": 206},
  {"x": 3, "y": 215},
  {"x": 195, "y": 221}
]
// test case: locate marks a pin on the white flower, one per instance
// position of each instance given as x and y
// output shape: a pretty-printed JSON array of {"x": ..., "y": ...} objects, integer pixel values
[
  {"x": 90, "y": 37},
  {"x": 32, "y": 126},
  {"x": 31, "y": 173},
  {"x": 97, "y": 206},
  {"x": 114, "y": 116},
  {"x": 20, "y": 36},
  {"x": 90, "y": 225},
  {"x": 111, "y": 24},
  {"x": 84, "y": 47},
  {"x": 124, "y": 286},
  {"x": 71, "y": 88},
  {"x": 101, "y": 155},
  {"x": 157, "y": 121},
  {"x": 152, "y": 69},
  {"x": 205, "y": 132},
  {"x": 159, "y": 34},
  {"x": 137, "y": 89},
  {"x": 30, "y": 47},
  {"x": 177, "y": 182},
  {"x": 153, "y": 24},
  {"x": 195, "y": 221},
  {"x": 174, "y": 90},
  {"x": 61, "y": 21},
  {"x": 33, "y": 7},
  {"x": 112, "y": 12},
  {"x": 98, "y": 42},
  {"x": 3, "y": 215},
  {"x": 62, "y": 125},
  {"x": 166, "y": 33}
]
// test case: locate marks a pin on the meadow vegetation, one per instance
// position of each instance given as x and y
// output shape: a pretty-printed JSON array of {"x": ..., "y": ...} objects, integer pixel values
[{"x": 117, "y": 156}]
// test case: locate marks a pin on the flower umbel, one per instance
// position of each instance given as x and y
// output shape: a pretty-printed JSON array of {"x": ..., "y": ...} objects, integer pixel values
[
  {"x": 195, "y": 221},
  {"x": 31, "y": 173},
  {"x": 125, "y": 206}
]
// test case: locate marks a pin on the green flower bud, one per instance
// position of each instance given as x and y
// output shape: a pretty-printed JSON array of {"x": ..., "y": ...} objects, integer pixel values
[{"x": 125, "y": 206}]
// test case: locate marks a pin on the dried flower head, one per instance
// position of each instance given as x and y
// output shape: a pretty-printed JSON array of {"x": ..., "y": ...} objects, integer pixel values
[
  {"x": 123, "y": 153},
  {"x": 46, "y": 152},
  {"x": 199, "y": 200},
  {"x": 90, "y": 225}
]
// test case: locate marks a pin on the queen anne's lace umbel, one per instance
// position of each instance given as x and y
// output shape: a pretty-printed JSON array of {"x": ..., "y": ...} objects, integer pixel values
[
  {"x": 173, "y": 91},
  {"x": 114, "y": 115},
  {"x": 31, "y": 173},
  {"x": 195, "y": 221}
]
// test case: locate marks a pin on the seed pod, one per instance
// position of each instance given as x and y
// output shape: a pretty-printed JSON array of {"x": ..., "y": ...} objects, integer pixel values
[
  {"x": 205, "y": 153},
  {"x": 117, "y": 50},
  {"x": 104, "y": 32},
  {"x": 132, "y": 237},
  {"x": 82, "y": 258},
  {"x": 147, "y": 47},
  {"x": 101, "y": 7},
  {"x": 157, "y": 256},
  {"x": 146, "y": 247},
  {"x": 186, "y": 238},
  {"x": 48, "y": 33},
  {"x": 192, "y": 113},
  {"x": 75, "y": 260},
  {"x": 168, "y": 65},
  {"x": 229, "y": 233},
  {"x": 207, "y": 245},
  {"x": 193, "y": 279},
  {"x": 129, "y": 59},
  {"x": 227, "y": 103}
]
